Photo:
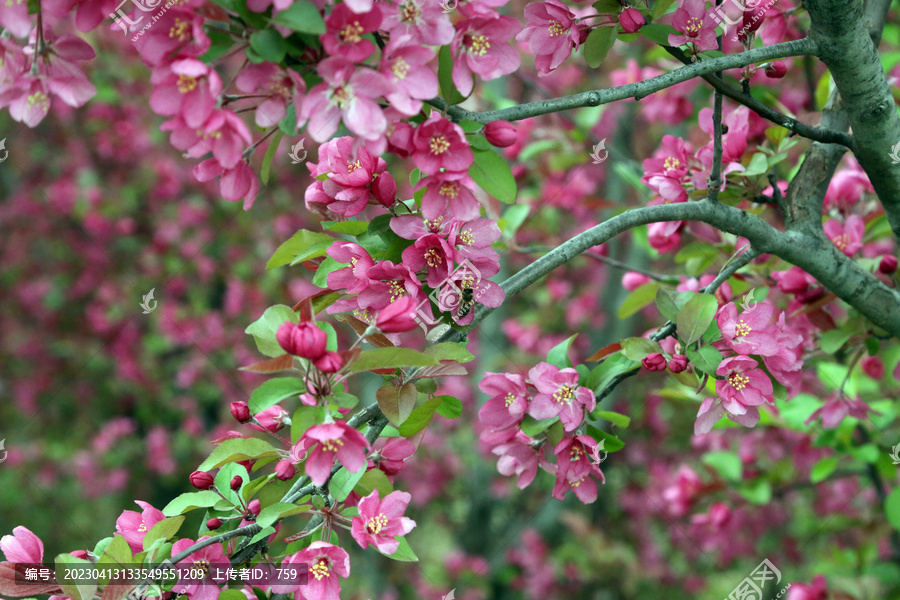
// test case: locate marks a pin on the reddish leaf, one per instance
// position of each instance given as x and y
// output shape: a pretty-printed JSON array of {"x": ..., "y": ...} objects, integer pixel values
[
  {"x": 273, "y": 365},
  {"x": 349, "y": 356},
  {"x": 604, "y": 352},
  {"x": 447, "y": 368},
  {"x": 822, "y": 320},
  {"x": 313, "y": 263},
  {"x": 382, "y": 371},
  {"x": 305, "y": 305},
  {"x": 9, "y": 587},
  {"x": 378, "y": 340}
]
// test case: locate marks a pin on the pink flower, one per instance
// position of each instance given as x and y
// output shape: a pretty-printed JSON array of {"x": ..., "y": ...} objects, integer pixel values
[
  {"x": 334, "y": 440},
  {"x": 439, "y": 144},
  {"x": 392, "y": 456},
  {"x": 847, "y": 237},
  {"x": 433, "y": 253},
  {"x": 712, "y": 410},
  {"x": 873, "y": 367},
  {"x": 678, "y": 363},
  {"x": 508, "y": 402},
  {"x": 302, "y": 339},
  {"x": 22, "y": 546},
  {"x": 696, "y": 26},
  {"x": 134, "y": 526},
  {"x": 352, "y": 278},
  {"x": 552, "y": 34},
  {"x": 584, "y": 486},
  {"x": 398, "y": 316},
  {"x": 559, "y": 395},
  {"x": 205, "y": 588},
  {"x": 186, "y": 87},
  {"x": 271, "y": 419},
  {"x": 224, "y": 134},
  {"x": 449, "y": 188},
  {"x": 405, "y": 66},
  {"x": 751, "y": 332},
  {"x": 388, "y": 282},
  {"x": 348, "y": 93},
  {"x": 325, "y": 561},
  {"x": 178, "y": 29},
  {"x": 345, "y": 29},
  {"x": 501, "y": 134},
  {"x": 423, "y": 20},
  {"x": 631, "y": 20},
  {"x": 632, "y": 280},
  {"x": 282, "y": 86},
  {"x": 817, "y": 590},
  {"x": 793, "y": 281},
  {"x": 518, "y": 457},
  {"x": 671, "y": 160},
  {"x": 654, "y": 362},
  {"x": 573, "y": 455},
  {"x": 743, "y": 385},
  {"x": 481, "y": 46},
  {"x": 380, "y": 522},
  {"x": 837, "y": 407},
  {"x": 785, "y": 363}
]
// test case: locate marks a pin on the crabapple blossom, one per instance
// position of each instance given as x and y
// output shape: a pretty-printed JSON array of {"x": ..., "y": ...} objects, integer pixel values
[
  {"x": 187, "y": 88},
  {"x": 654, "y": 362},
  {"x": 847, "y": 236},
  {"x": 344, "y": 31},
  {"x": 334, "y": 440},
  {"x": 134, "y": 526},
  {"x": 305, "y": 340},
  {"x": 695, "y": 26},
  {"x": 438, "y": 144},
  {"x": 352, "y": 278},
  {"x": 837, "y": 407},
  {"x": 508, "y": 401},
  {"x": 481, "y": 47},
  {"x": 398, "y": 316},
  {"x": 405, "y": 66},
  {"x": 422, "y": 20},
  {"x": 326, "y": 563},
  {"x": 743, "y": 385},
  {"x": 631, "y": 20},
  {"x": 22, "y": 546},
  {"x": 202, "y": 480},
  {"x": 207, "y": 587},
  {"x": 748, "y": 333},
  {"x": 500, "y": 133},
  {"x": 380, "y": 522},
  {"x": 559, "y": 395},
  {"x": 552, "y": 34}
]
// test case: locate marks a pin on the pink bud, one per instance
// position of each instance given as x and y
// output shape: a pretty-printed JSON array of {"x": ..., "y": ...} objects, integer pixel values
[
  {"x": 500, "y": 133},
  {"x": 678, "y": 363},
  {"x": 873, "y": 367},
  {"x": 214, "y": 524},
  {"x": 888, "y": 264},
  {"x": 272, "y": 418},
  {"x": 654, "y": 362},
  {"x": 202, "y": 480},
  {"x": 776, "y": 70},
  {"x": 632, "y": 281},
  {"x": 631, "y": 20},
  {"x": 304, "y": 339},
  {"x": 254, "y": 506},
  {"x": 83, "y": 554},
  {"x": 236, "y": 483},
  {"x": 398, "y": 316},
  {"x": 240, "y": 411},
  {"x": 330, "y": 362},
  {"x": 284, "y": 470},
  {"x": 384, "y": 188}
]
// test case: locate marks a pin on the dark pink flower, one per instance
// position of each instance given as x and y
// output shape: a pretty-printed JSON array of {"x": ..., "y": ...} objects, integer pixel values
[
  {"x": 696, "y": 26},
  {"x": 380, "y": 522},
  {"x": 453, "y": 189},
  {"x": 178, "y": 29},
  {"x": 632, "y": 280},
  {"x": 334, "y": 440},
  {"x": 398, "y": 316},
  {"x": 631, "y": 20},
  {"x": 888, "y": 264},
  {"x": 817, "y": 590},
  {"x": 240, "y": 411},
  {"x": 654, "y": 362},
  {"x": 326, "y": 563},
  {"x": 508, "y": 399},
  {"x": 873, "y": 367},
  {"x": 330, "y": 362},
  {"x": 518, "y": 457},
  {"x": 392, "y": 456},
  {"x": 501, "y": 133},
  {"x": 22, "y": 546},
  {"x": 284, "y": 469},
  {"x": 405, "y": 66},
  {"x": 584, "y": 486},
  {"x": 552, "y": 34},
  {"x": 353, "y": 278},
  {"x": 134, "y": 526},
  {"x": 847, "y": 237},
  {"x": 751, "y": 332},
  {"x": 202, "y": 480},
  {"x": 439, "y": 143},
  {"x": 573, "y": 457},
  {"x": 281, "y": 86},
  {"x": 433, "y": 253},
  {"x": 271, "y": 419},
  {"x": 200, "y": 588},
  {"x": 793, "y": 281},
  {"x": 387, "y": 283},
  {"x": 559, "y": 395},
  {"x": 678, "y": 363},
  {"x": 302, "y": 339},
  {"x": 744, "y": 385},
  {"x": 186, "y": 87},
  {"x": 481, "y": 46},
  {"x": 838, "y": 407},
  {"x": 344, "y": 31}
]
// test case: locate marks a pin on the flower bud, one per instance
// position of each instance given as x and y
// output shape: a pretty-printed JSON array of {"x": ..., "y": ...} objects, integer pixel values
[
  {"x": 304, "y": 339},
  {"x": 678, "y": 363},
  {"x": 384, "y": 188},
  {"x": 236, "y": 483},
  {"x": 82, "y": 554},
  {"x": 330, "y": 362},
  {"x": 873, "y": 367},
  {"x": 776, "y": 70},
  {"x": 888, "y": 264},
  {"x": 631, "y": 20},
  {"x": 398, "y": 316},
  {"x": 214, "y": 524},
  {"x": 202, "y": 480},
  {"x": 500, "y": 133},
  {"x": 272, "y": 418},
  {"x": 284, "y": 470},
  {"x": 632, "y": 281},
  {"x": 240, "y": 411},
  {"x": 254, "y": 506},
  {"x": 654, "y": 362}
]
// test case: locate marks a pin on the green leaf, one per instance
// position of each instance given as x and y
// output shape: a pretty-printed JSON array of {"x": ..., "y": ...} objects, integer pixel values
[
  {"x": 353, "y": 228},
  {"x": 326, "y": 267},
  {"x": 164, "y": 530},
  {"x": 532, "y": 427},
  {"x": 404, "y": 553},
  {"x": 758, "y": 165},
  {"x": 266, "y": 532},
  {"x": 343, "y": 483},
  {"x": 610, "y": 368},
  {"x": 823, "y": 469},
  {"x": 117, "y": 552},
  {"x": 615, "y": 418},
  {"x": 288, "y": 125},
  {"x": 694, "y": 318},
  {"x": 392, "y": 358},
  {"x": 304, "y": 418},
  {"x": 343, "y": 400},
  {"x": 665, "y": 303},
  {"x": 264, "y": 328},
  {"x": 450, "y": 351},
  {"x": 420, "y": 417},
  {"x": 445, "y": 76},
  {"x": 599, "y": 42},
  {"x": 450, "y": 407},
  {"x": 727, "y": 464},
  {"x": 301, "y": 16},
  {"x": 374, "y": 479},
  {"x": 607, "y": 7},
  {"x": 610, "y": 442},
  {"x": 270, "y": 152},
  {"x": 237, "y": 449},
  {"x": 892, "y": 508},
  {"x": 513, "y": 217},
  {"x": 638, "y": 299},
  {"x": 636, "y": 348},
  {"x": 658, "y": 33},
  {"x": 299, "y": 245},
  {"x": 189, "y": 501},
  {"x": 269, "y": 45},
  {"x": 76, "y": 589},
  {"x": 397, "y": 403},
  {"x": 492, "y": 174},
  {"x": 707, "y": 359},
  {"x": 758, "y": 491},
  {"x": 558, "y": 356},
  {"x": 274, "y": 391},
  {"x": 833, "y": 340},
  {"x": 660, "y": 8},
  {"x": 270, "y": 514}
]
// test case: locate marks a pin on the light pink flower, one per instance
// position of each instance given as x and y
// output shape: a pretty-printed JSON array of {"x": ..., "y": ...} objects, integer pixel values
[
  {"x": 326, "y": 562},
  {"x": 282, "y": 86},
  {"x": 134, "y": 526},
  {"x": 712, "y": 410},
  {"x": 743, "y": 385},
  {"x": 751, "y": 332},
  {"x": 380, "y": 522},
  {"x": 439, "y": 144},
  {"x": 22, "y": 546},
  {"x": 481, "y": 46},
  {"x": 334, "y": 440},
  {"x": 406, "y": 67},
  {"x": 508, "y": 402},
  {"x": 552, "y": 34},
  {"x": 559, "y": 395},
  {"x": 354, "y": 277},
  {"x": 423, "y": 20},
  {"x": 847, "y": 237},
  {"x": 186, "y": 87},
  {"x": 344, "y": 31},
  {"x": 205, "y": 588},
  {"x": 837, "y": 407}
]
